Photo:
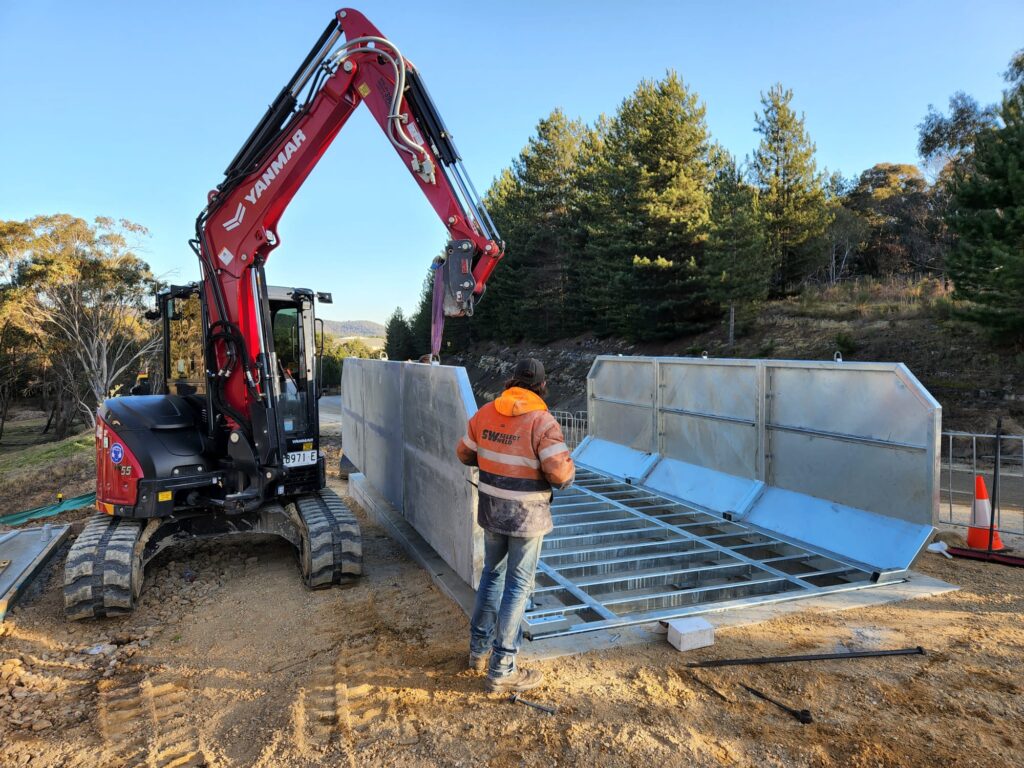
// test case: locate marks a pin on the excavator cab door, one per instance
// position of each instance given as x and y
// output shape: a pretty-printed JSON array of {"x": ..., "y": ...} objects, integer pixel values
[{"x": 293, "y": 385}]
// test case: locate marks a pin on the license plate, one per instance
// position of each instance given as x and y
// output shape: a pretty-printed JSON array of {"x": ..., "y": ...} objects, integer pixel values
[{"x": 300, "y": 458}]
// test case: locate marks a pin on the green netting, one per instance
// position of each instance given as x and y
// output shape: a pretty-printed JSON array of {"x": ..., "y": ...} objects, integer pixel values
[{"x": 17, "y": 518}]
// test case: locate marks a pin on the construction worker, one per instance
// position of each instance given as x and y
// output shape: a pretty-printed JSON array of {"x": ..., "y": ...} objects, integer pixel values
[{"x": 521, "y": 453}]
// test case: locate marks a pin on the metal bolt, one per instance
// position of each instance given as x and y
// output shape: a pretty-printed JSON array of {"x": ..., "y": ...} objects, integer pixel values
[
  {"x": 234, "y": 437},
  {"x": 269, "y": 475},
  {"x": 347, "y": 66},
  {"x": 343, "y": 14},
  {"x": 465, "y": 246},
  {"x": 451, "y": 219},
  {"x": 488, "y": 249}
]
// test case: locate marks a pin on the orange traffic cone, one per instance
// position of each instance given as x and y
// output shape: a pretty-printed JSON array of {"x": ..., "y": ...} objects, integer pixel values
[{"x": 977, "y": 534}]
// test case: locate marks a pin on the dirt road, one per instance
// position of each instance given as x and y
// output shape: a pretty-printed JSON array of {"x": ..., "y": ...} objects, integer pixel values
[{"x": 229, "y": 661}]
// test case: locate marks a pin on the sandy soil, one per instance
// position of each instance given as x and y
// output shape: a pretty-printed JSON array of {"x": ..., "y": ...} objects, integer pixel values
[{"x": 230, "y": 661}]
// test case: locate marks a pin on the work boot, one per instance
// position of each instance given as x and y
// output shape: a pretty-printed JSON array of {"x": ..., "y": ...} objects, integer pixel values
[
  {"x": 479, "y": 663},
  {"x": 519, "y": 680}
]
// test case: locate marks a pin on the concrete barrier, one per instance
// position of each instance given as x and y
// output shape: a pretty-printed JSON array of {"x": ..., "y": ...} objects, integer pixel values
[{"x": 400, "y": 424}]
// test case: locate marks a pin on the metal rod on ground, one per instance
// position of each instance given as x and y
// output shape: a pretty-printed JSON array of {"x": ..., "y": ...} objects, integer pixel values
[
  {"x": 708, "y": 686},
  {"x": 807, "y": 657},
  {"x": 987, "y": 557},
  {"x": 803, "y": 715},
  {"x": 995, "y": 485},
  {"x": 514, "y": 698}
]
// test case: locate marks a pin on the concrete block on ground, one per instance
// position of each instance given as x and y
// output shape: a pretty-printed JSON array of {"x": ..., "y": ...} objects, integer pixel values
[{"x": 688, "y": 634}]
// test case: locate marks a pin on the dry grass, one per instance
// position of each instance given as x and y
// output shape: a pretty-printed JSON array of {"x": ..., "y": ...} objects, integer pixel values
[
  {"x": 864, "y": 298},
  {"x": 34, "y": 467}
]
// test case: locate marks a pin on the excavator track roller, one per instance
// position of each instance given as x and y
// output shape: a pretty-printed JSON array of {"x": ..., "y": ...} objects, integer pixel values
[
  {"x": 331, "y": 549},
  {"x": 103, "y": 571}
]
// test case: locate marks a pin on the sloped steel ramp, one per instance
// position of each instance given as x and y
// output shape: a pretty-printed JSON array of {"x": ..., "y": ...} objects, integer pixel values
[{"x": 622, "y": 554}]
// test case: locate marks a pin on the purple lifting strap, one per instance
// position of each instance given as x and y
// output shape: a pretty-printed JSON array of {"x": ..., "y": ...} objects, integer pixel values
[{"x": 437, "y": 315}]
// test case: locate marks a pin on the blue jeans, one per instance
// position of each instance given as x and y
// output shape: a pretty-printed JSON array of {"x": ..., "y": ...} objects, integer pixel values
[{"x": 510, "y": 564}]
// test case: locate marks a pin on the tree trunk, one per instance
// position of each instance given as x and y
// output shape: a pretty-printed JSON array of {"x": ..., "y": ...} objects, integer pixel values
[
  {"x": 732, "y": 324},
  {"x": 5, "y": 404},
  {"x": 49, "y": 421}
]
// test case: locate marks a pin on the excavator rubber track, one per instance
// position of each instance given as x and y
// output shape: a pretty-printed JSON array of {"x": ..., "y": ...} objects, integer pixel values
[
  {"x": 332, "y": 548},
  {"x": 103, "y": 571}
]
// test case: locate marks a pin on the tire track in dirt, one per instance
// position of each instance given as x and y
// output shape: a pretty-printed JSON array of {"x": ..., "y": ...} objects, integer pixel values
[
  {"x": 144, "y": 721},
  {"x": 349, "y": 700}
]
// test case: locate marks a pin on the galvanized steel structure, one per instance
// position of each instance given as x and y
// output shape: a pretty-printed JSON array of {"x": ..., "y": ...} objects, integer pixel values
[{"x": 703, "y": 484}]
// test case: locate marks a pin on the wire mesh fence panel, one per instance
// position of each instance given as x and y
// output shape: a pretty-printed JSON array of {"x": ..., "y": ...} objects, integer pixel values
[
  {"x": 574, "y": 426},
  {"x": 967, "y": 455}
]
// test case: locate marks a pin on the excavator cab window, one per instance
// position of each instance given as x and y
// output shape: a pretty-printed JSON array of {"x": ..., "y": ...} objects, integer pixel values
[
  {"x": 291, "y": 368},
  {"x": 185, "y": 371}
]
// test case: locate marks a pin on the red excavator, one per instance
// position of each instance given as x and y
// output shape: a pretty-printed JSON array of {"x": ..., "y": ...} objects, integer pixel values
[{"x": 232, "y": 443}]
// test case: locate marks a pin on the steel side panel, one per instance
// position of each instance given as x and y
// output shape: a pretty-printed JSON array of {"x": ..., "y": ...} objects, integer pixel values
[
  {"x": 890, "y": 483},
  {"x": 706, "y": 488},
  {"x": 614, "y": 459},
  {"x": 728, "y": 447},
  {"x": 885, "y": 543},
  {"x": 28, "y": 552},
  {"x": 440, "y": 501},
  {"x": 875, "y": 404}
]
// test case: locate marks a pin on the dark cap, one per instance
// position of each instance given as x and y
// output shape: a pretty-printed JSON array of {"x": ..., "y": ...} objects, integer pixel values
[{"x": 529, "y": 371}]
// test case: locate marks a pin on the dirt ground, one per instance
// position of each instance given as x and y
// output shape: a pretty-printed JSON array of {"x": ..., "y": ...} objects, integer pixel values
[{"x": 230, "y": 661}]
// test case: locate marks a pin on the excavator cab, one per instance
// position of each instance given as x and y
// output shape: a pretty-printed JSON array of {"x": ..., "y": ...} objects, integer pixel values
[
  {"x": 292, "y": 367},
  {"x": 168, "y": 472}
]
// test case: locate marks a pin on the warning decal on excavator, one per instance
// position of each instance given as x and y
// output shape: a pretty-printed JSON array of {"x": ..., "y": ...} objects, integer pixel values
[{"x": 364, "y": 90}]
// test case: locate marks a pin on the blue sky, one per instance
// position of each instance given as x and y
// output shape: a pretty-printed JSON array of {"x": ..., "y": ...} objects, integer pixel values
[{"x": 133, "y": 109}]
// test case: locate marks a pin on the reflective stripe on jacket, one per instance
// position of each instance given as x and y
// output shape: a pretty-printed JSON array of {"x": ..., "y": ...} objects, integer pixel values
[{"x": 519, "y": 448}]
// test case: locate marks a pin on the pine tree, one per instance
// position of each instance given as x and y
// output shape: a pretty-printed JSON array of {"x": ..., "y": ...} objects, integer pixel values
[
  {"x": 535, "y": 207},
  {"x": 987, "y": 214},
  {"x": 398, "y": 337},
  {"x": 791, "y": 190},
  {"x": 647, "y": 215},
  {"x": 736, "y": 263},
  {"x": 495, "y": 316},
  {"x": 419, "y": 323}
]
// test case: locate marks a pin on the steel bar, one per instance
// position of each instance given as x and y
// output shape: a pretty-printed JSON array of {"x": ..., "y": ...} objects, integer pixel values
[
  {"x": 704, "y": 415},
  {"x": 847, "y": 438},
  {"x": 918, "y": 650},
  {"x": 995, "y": 486},
  {"x": 576, "y": 592},
  {"x": 803, "y": 715},
  {"x": 989, "y": 557}
]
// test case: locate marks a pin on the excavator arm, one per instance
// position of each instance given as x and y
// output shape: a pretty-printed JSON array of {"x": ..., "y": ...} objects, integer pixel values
[{"x": 351, "y": 64}]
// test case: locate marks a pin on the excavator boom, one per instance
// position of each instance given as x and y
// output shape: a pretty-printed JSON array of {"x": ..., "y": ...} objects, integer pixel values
[{"x": 351, "y": 64}]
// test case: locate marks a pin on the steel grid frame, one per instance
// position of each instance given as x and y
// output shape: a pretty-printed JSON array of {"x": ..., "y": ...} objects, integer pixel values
[{"x": 621, "y": 554}]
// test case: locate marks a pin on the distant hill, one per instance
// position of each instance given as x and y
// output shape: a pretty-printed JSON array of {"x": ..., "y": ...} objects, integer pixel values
[{"x": 345, "y": 328}]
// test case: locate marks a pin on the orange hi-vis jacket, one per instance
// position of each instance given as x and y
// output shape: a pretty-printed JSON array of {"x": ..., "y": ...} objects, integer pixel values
[{"x": 521, "y": 453}]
